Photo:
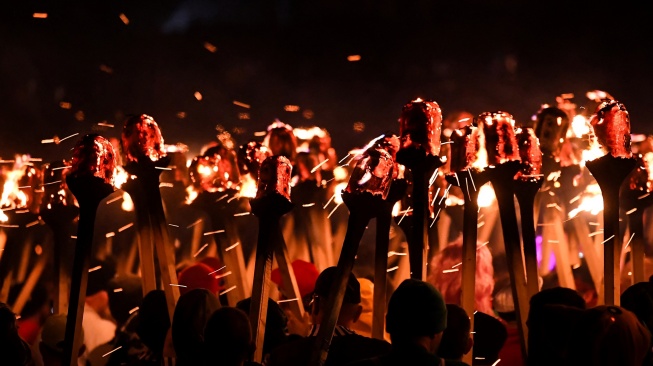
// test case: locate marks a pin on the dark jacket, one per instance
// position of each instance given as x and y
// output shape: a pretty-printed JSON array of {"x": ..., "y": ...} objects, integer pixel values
[
  {"x": 344, "y": 349},
  {"x": 406, "y": 355}
]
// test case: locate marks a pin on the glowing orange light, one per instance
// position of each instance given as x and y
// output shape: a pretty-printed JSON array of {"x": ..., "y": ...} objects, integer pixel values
[
  {"x": 353, "y": 58},
  {"x": 210, "y": 47},
  {"x": 291, "y": 108},
  {"x": 248, "y": 186},
  {"x": 198, "y": 95},
  {"x": 124, "y": 19},
  {"x": 106, "y": 69},
  {"x": 241, "y": 104},
  {"x": 65, "y": 105},
  {"x": 308, "y": 114},
  {"x": 40, "y": 15}
]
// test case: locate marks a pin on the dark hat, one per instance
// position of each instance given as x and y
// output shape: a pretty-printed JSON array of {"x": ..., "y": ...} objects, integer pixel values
[
  {"x": 325, "y": 280},
  {"x": 125, "y": 294},
  {"x": 416, "y": 308},
  {"x": 100, "y": 272}
]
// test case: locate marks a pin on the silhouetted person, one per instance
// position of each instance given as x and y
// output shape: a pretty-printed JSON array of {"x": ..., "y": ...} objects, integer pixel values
[
  {"x": 191, "y": 314},
  {"x": 551, "y": 317},
  {"x": 228, "y": 338},
  {"x": 13, "y": 350},
  {"x": 456, "y": 339},
  {"x": 416, "y": 319},
  {"x": 608, "y": 335},
  {"x": 346, "y": 345}
]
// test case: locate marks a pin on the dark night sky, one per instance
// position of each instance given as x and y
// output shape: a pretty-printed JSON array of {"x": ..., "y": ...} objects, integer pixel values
[{"x": 473, "y": 55}]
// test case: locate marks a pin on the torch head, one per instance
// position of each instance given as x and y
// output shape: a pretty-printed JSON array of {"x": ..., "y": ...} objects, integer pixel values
[
  {"x": 281, "y": 140},
  {"x": 54, "y": 184},
  {"x": 250, "y": 157},
  {"x": 530, "y": 153},
  {"x": 307, "y": 167},
  {"x": 551, "y": 128},
  {"x": 141, "y": 137},
  {"x": 497, "y": 134},
  {"x": 390, "y": 143},
  {"x": 611, "y": 125},
  {"x": 274, "y": 177},
  {"x": 464, "y": 148},
  {"x": 93, "y": 156},
  {"x": 420, "y": 126},
  {"x": 216, "y": 170},
  {"x": 372, "y": 173}
]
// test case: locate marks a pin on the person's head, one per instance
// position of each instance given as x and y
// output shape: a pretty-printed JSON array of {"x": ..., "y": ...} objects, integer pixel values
[
  {"x": 364, "y": 324},
  {"x": 608, "y": 335},
  {"x": 307, "y": 167},
  {"x": 489, "y": 337},
  {"x": 306, "y": 275},
  {"x": 504, "y": 304},
  {"x": 638, "y": 298},
  {"x": 551, "y": 311},
  {"x": 97, "y": 289},
  {"x": 198, "y": 275},
  {"x": 228, "y": 337},
  {"x": 153, "y": 321},
  {"x": 38, "y": 304},
  {"x": 456, "y": 339},
  {"x": 8, "y": 327},
  {"x": 276, "y": 323},
  {"x": 13, "y": 349},
  {"x": 549, "y": 328},
  {"x": 555, "y": 296},
  {"x": 191, "y": 314},
  {"x": 53, "y": 336},
  {"x": 125, "y": 294},
  {"x": 449, "y": 283},
  {"x": 280, "y": 140},
  {"x": 351, "y": 308},
  {"x": 416, "y": 314}
]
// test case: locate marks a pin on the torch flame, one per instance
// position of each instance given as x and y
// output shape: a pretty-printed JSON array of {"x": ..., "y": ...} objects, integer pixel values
[
  {"x": 594, "y": 151},
  {"x": 191, "y": 194},
  {"x": 486, "y": 196},
  {"x": 12, "y": 196},
  {"x": 248, "y": 186},
  {"x": 579, "y": 127},
  {"x": 591, "y": 201},
  {"x": 120, "y": 177},
  {"x": 481, "y": 161},
  {"x": 338, "y": 194}
]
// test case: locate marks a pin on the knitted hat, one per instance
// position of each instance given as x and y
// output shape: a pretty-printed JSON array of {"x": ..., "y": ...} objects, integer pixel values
[
  {"x": 54, "y": 331},
  {"x": 416, "y": 308},
  {"x": 326, "y": 279},
  {"x": 306, "y": 274},
  {"x": 198, "y": 276}
]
